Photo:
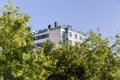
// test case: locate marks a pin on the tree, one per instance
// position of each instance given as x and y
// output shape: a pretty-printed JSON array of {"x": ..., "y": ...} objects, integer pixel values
[
  {"x": 19, "y": 60},
  {"x": 94, "y": 59},
  {"x": 37, "y": 66},
  {"x": 48, "y": 46},
  {"x": 15, "y": 39}
]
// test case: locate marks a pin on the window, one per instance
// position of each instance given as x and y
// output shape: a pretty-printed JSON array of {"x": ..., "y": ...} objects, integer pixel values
[
  {"x": 38, "y": 44},
  {"x": 42, "y": 36},
  {"x": 76, "y": 36},
  {"x": 70, "y": 41},
  {"x": 80, "y": 37},
  {"x": 70, "y": 34},
  {"x": 64, "y": 35},
  {"x": 45, "y": 36},
  {"x": 36, "y": 38},
  {"x": 39, "y": 37}
]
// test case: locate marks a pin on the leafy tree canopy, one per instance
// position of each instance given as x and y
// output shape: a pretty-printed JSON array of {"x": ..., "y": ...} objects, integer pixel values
[{"x": 94, "y": 59}]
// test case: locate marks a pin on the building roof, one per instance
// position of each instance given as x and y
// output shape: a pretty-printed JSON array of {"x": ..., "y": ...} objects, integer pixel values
[{"x": 54, "y": 28}]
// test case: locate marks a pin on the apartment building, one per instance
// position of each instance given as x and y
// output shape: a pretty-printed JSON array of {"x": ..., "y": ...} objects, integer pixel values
[{"x": 56, "y": 34}]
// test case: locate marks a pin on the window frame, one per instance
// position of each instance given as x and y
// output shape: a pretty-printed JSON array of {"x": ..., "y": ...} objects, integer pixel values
[
  {"x": 80, "y": 38},
  {"x": 75, "y": 36},
  {"x": 70, "y": 34}
]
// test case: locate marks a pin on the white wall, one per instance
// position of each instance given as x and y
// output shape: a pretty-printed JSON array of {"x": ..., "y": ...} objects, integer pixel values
[
  {"x": 41, "y": 40},
  {"x": 54, "y": 36},
  {"x": 73, "y": 39}
]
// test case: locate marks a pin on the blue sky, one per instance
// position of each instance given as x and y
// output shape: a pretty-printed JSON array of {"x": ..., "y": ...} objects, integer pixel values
[{"x": 82, "y": 15}]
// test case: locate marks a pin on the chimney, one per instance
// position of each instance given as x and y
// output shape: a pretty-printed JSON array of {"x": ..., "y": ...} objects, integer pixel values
[
  {"x": 49, "y": 26},
  {"x": 56, "y": 24},
  {"x": 69, "y": 26}
]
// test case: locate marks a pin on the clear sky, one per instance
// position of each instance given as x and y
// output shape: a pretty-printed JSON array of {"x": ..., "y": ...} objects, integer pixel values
[{"x": 82, "y": 15}]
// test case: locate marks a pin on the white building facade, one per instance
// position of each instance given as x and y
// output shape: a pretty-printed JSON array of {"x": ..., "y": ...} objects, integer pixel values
[{"x": 57, "y": 34}]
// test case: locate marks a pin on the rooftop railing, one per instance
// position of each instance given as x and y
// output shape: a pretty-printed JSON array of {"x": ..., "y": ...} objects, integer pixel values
[{"x": 54, "y": 28}]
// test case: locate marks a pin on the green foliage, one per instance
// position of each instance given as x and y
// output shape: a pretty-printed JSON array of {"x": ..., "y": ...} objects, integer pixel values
[
  {"x": 94, "y": 59},
  {"x": 15, "y": 39},
  {"x": 48, "y": 46}
]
